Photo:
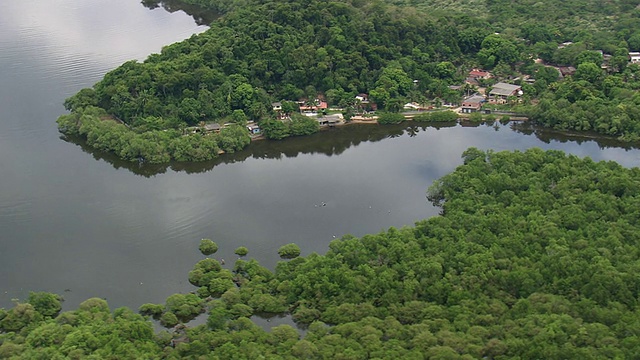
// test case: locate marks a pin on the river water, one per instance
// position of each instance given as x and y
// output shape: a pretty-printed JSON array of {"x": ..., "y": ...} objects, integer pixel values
[{"x": 84, "y": 224}]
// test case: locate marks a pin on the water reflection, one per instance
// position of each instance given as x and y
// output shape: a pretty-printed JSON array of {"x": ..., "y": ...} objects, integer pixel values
[
  {"x": 548, "y": 135},
  {"x": 200, "y": 15},
  {"x": 335, "y": 141},
  {"x": 328, "y": 142}
]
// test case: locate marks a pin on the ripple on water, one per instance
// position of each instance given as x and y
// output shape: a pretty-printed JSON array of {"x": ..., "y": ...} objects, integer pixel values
[{"x": 15, "y": 211}]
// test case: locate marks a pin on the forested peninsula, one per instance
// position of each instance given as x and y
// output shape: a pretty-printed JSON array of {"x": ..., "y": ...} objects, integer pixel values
[
  {"x": 263, "y": 61},
  {"x": 535, "y": 256}
]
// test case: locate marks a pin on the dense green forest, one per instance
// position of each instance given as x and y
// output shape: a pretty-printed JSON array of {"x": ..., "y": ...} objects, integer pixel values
[
  {"x": 535, "y": 255},
  {"x": 591, "y": 100},
  {"x": 261, "y": 51}
]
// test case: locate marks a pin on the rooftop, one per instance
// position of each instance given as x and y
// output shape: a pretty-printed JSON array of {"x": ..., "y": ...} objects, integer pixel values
[
  {"x": 212, "y": 126},
  {"x": 504, "y": 89},
  {"x": 475, "y": 99},
  {"x": 478, "y": 73}
]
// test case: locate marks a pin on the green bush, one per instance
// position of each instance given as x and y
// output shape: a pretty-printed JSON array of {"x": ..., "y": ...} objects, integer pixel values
[
  {"x": 242, "y": 251},
  {"x": 151, "y": 309},
  {"x": 475, "y": 117},
  {"x": 208, "y": 247},
  {"x": 289, "y": 251},
  {"x": 169, "y": 319},
  {"x": 390, "y": 118}
]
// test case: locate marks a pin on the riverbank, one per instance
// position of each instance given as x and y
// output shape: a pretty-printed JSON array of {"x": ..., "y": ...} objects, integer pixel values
[{"x": 460, "y": 117}]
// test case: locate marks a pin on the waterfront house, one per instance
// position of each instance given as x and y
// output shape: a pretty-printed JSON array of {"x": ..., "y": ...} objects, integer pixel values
[
  {"x": 312, "y": 107},
  {"x": 472, "y": 104},
  {"x": 363, "y": 104},
  {"x": 501, "y": 92},
  {"x": 330, "y": 120}
]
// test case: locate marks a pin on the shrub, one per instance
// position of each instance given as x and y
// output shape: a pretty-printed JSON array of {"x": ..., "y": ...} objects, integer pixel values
[
  {"x": 390, "y": 118},
  {"x": 169, "y": 319},
  {"x": 242, "y": 251},
  {"x": 289, "y": 251},
  {"x": 208, "y": 247}
]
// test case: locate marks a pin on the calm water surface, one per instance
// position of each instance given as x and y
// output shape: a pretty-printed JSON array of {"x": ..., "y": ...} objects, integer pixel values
[{"x": 84, "y": 224}]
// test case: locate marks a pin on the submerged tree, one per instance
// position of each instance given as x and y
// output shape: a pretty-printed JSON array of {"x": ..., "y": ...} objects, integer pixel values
[
  {"x": 289, "y": 251},
  {"x": 242, "y": 251},
  {"x": 208, "y": 247}
]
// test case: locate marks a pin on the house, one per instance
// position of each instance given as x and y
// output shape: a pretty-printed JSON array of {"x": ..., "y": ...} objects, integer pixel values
[
  {"x": 471, "y": 81},
  {"x": 330, "y": 120},
  {"x": 472, "y": 104},
  {"x": 280, "y": 113},
  {"x": 415, "y": 107},
  {"x": 478, "y": 74},
  {"x": 502, "y": 91},
  {"x": 362, "y": 98},
  {"x": 311, "y": 108},
  {"x": 212, "y": 127},
  {"x": 606, "y": 59},
  {"x": 363, "y": 103},
  {"x": 527, "y": 79},
  {"x": 566, "y": 70},
  {"x": 634, "y": 57}
]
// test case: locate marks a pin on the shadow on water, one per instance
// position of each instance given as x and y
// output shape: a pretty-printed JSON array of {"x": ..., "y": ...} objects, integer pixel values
[
  {"x": 328, "y": 142},
  {"x": 547, "y": 135},
  {"x": 335, "y": 141},
  {"x": 200, "y": 15}
]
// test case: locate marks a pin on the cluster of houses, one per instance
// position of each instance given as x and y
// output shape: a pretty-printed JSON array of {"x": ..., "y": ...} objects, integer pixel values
[
  {"x": 500, "y": 93},
  {"x": 312, "y": 108},
  {"x": 317, "y": 109}
]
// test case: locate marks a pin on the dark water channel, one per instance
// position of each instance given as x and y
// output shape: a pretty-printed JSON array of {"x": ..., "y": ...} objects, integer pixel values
[{"x": 85, "y": 224}]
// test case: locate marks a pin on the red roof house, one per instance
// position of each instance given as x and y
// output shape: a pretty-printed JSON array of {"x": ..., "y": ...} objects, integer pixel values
[{"x": 479, "y": 74}]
